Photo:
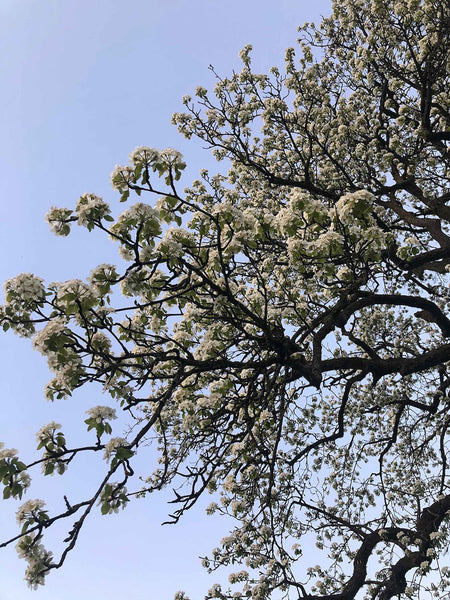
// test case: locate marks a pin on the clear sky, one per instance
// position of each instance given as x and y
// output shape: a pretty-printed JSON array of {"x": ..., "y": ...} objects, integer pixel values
[{"x": 83, "y": 82}]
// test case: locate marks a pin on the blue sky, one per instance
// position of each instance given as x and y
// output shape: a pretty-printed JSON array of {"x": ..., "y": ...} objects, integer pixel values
[{"x": 83, "y": 83}]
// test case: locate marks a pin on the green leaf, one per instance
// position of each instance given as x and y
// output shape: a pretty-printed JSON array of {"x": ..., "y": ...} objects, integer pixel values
[
  {"x": 124, "y": 453},
  {"x": 60, "y": 439},
  {"x": 49, "y": 468},
  {"x": 16, "y": 490}
]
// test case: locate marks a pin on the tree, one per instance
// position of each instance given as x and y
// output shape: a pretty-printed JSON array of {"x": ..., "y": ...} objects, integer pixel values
[{"x": 280, "y": 332}]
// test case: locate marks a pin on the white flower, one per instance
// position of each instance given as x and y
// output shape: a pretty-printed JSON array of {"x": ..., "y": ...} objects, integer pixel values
[
  {"x": 58, "y": 220},
  {"x": 43, "y": 338},
  {"x": 135, "y": 282},
  {"x": 169, "y": 247},
  {"x": 144, "y": 155},
  {"x": 38, "y": 559},
  {"x": 200, "y": 91},
  {"x": 211, "y": 508},
  {"x": 103, "y": 272},
  {"x": 100, "y": 341},
  {"x": 354, "y": 205},
  {"x": 91, "y": 207},
  {"x": 344, "y": 273},
  {"x": 113, "y": 497},
  {"x": 329, "y": 241},
  {"x": 113, "y": 444},
  {"x": 7, "y": 452},
  {"x": 47, "y": 430},
  {"x": 24, "y": 479},
  {"x": 264, "y": 416},
  {"x": 140, "y": 212},
  {"x": 75, "y": 289},
  {"x": 412, "y": 241},
  {"x": 139, "y": 215},
  {"x": 102, "y": 413},
  {"x": 29, "y": 508},
  {"x": 409, "y": 590},
  {"x": 25, "y": 288},
  {"x": 121, "y": 178}
]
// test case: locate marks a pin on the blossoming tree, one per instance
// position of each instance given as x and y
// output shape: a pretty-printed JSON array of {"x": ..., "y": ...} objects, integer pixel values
[{"x": 280, "y": 332}]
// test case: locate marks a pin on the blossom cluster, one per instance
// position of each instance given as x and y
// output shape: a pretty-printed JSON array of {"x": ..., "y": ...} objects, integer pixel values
[
  {"x": 100, "y": 342},
  {"x": 13, "y": 474},
  {"x": 59, "y": 220},
  {"x": 7, "y": 452},
  {"x": 112, "y": 445},
  {"x": 355, "y": 206},
  {"x": 91, "y": 209},
  {"x": 31, "y": 510},
  {"x": 38, "y": 558},
  {"x": 52, "y": 336},
  {"x": 168, "y": 163},
  {"x": 53, "y": 341},
  {"x": 23, "y": 290},
  {"x": 53, "y": 444},
  {"x": 102, "y": 278},
  {"x": 113, "y": 497},
  {"x": 102, "y": 413},
  {"x": 24, "y": 294},
  {"x": 46, "y": 432},
  {"x": 75, "y": 296},
  {"x": 139, "y": 217},
  {"x": 98, "y": 418}
]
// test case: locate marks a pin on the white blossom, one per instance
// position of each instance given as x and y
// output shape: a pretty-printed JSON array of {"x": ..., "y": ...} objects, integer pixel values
[
  {"x": 7, "y": 452},
  {"x": 102, "y": 413},
  {"x": 75, "y": 290},
  {"x": 47, "y": 430},
  {"x": 28, "y": 508},
  {"x": 91, "y": 208},
  {"x": 112, "y": 445},
  {"x": 58, "y": 220},
  {"x": 144, "y": 155},
  {"x": 44, "y": 337},
  {"x": 24, "y": 290},
  {"x": 121, "y": 178},
  {"x": 100, "y": 341}
]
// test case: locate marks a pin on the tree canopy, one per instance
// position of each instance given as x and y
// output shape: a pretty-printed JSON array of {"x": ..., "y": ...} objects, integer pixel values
[{"x": 278, "y": 330}]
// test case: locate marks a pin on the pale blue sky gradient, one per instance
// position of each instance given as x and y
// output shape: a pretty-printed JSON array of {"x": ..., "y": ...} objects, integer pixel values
[{"x": 83, "y": 83}]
